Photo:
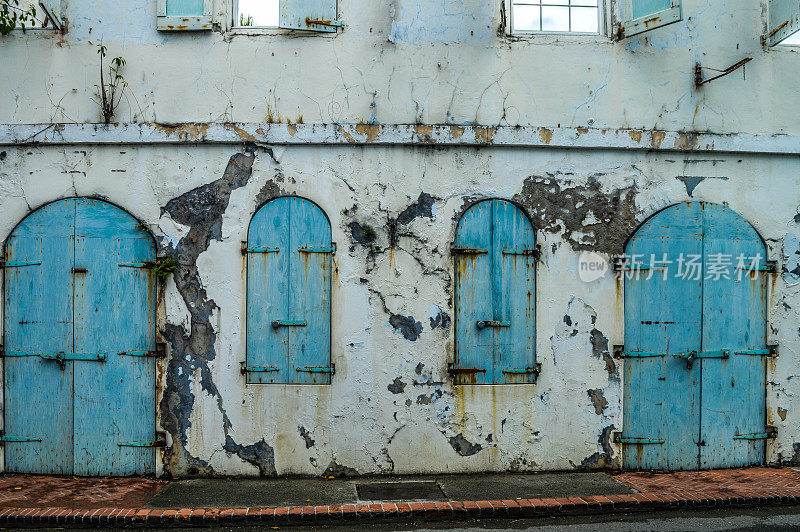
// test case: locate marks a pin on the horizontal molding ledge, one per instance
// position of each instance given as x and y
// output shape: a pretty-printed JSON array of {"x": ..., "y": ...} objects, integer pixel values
[{"x": 396, "y": 135}]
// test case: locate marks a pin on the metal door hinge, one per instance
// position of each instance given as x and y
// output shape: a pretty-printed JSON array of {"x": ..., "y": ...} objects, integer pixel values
[
  {"x": 18, "y": 263},
  {"x": 309, "y": 249},
  {"x": 487, "y": 323},
  {"x": 246, "y": 250},
  {"x": 4, "y": 438},
  {"x": 468, "y": 251},
  {"x": 256, "y": 369},
  {"x": 619, "y": 438},
  {"x": 159, "y": 352},
  {"x": 529, "y": 370},
  {"x": 61, "y": 357},
  {"x": 160, "y": 441},
  {"x": 453, "y": 370},
  {"x": 535, "y": 252},
  {"x": 769, "y": 433},
  {"x": 322, "y": 22},
  {"x": 771, "y": 351},
  {"x": 318, "y": 369}
]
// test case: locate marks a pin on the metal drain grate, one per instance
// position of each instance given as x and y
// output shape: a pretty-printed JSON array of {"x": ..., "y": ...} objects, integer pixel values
[{"x": 399, "y": 491}]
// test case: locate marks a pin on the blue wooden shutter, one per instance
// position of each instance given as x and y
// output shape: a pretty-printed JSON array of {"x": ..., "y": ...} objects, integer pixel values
[
  {"x": 114, "y": 313},
  {"x": 639, "y": 16},
  {"x": 734, "y": 319},
  {"x": 784, "y": 20},
  {"x": 38, "y": 319},
  {"x": 309, "y": 294},
  {"x": 268, "y": 293},
  {"x": 288, "y": 294},
  {"x": 663, "y": 316},
  {"x": 472, "y": 248},
  {"x": 495, "y": 295},
  {"x": 514, "y": 294},
  {"x": 184, "y": 15},
  {"x": 311, "y": 15}
]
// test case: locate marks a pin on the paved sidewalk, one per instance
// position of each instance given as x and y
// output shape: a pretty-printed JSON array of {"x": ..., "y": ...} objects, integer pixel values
[{"x": 33, "y": 501}]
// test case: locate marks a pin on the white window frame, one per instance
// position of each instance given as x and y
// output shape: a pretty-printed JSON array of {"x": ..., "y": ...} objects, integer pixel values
[
  {"x": 185, "y": 23},
  {"x": 602, "y": 23},
  {"x": 232, "y": 23},
  {"x": 624, "y": 25}
]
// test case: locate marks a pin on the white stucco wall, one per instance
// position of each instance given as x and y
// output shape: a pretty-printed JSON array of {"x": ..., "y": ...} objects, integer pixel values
[{"x": 391, "y": 407}]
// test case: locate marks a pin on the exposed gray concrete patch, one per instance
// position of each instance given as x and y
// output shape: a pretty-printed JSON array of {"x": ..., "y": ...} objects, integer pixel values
[
  {"x": 423, "y": 207},
  {"x": 600, "y": 350},
  {"x": 557, "y": 205},
  {"x": 464, "y": 447},
  {"x": 604, "y": 459},
  {"x": 791, "y": 258},
  {"x": 260, "y": 454},
  {"x": 598, "y": 400},
  {"x": 406, "y": 325},
  {"x": 201, "y": 209},
  {"x": 362, "y": 234},
  {"x": 337, "y": 470},
  {"x": 439, "y": 319},
  {"x": 426, "y": 399},
  {"x": 306, "y": 436},
  {"x": 691, "y": 181},
  {"x": 397, "y": 386}
]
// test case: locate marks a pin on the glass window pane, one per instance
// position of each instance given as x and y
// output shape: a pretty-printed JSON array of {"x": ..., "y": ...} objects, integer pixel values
[
  {"x": 793, "y": 39},
  {"x": 555, "y": 2},
  {"x": 555, "y": 18},
  {"x": 584, "y": 19},
  {"x": 259, "y": 13},
  {"x": 584, "y": 3},
  {"x": 526, "y": 18}
]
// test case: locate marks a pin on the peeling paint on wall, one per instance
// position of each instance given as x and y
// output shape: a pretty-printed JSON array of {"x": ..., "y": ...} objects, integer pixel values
[{"x": 587, "y": 215}]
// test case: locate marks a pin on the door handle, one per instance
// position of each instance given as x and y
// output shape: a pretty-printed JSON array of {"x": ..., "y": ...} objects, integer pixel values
[{"x": 288, "y": 323}]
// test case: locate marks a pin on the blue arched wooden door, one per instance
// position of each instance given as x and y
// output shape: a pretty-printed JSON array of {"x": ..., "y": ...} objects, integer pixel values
[
  {"x": 495, "y": 283},
  {"x": 79, "y": 328},
  {"x": 695, "y": 341},
  {"x": 289, "y": 252}
]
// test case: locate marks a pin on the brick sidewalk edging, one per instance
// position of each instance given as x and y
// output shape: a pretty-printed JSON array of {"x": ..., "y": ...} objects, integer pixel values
[{"x": 439, "y": 510}]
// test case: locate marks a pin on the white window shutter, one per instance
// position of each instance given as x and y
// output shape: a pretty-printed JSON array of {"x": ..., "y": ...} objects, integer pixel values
[
  {"x": 639, "y": 16},
  {"x": 784, "y": 20},
  {"x": 184, "y": 15},
  {"x": 52, "y": 13},
  {"x": 312, "y": 15}
]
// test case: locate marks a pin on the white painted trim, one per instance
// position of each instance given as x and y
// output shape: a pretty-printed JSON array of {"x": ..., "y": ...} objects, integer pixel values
[{"x": 397, "y": 134}]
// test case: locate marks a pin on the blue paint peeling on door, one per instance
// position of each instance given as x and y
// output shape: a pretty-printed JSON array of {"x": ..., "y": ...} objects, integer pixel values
[
  {"x": 705, "y": 386},
  {"x": 494, "y": 253},
  {"x": 289, "y": 252},
  {"x": 66, "y": 321}
]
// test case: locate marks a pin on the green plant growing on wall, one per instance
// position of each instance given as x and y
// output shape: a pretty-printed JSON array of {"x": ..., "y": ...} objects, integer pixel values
[
  {"x": 13, "y": 16},
  {"x": 110, "y": 92},
  {"x": 245, "y": 21},
  {"x": 165, "y": 266}
]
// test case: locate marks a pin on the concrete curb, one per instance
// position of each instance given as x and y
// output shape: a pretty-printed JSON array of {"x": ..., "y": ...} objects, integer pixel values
[{"x": 102, "y": 517}]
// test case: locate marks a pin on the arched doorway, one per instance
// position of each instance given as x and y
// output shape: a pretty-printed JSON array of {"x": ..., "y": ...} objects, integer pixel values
[
  {"x": 695, "y": 341},
  {"x": 79, "y": 328}
]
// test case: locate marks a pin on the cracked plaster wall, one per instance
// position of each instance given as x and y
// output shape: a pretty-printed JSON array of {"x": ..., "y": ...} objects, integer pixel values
[
  {"x": 409, "y": 61},
  {"x": 391, "y": 407}
]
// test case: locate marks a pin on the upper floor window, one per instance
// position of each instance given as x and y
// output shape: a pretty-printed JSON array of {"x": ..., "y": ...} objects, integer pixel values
[
  {"x": 255, "y": 13},
  {"x": 563, "y": 16},
  {"x": 794, "y": 40}
]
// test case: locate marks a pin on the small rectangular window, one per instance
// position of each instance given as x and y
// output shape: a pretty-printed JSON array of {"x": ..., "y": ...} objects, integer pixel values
[
  {"x": 308, "y": 15},
  {"x": 784, "y": 22},
  {"x": 556, "y": 16},
  {"x": 255, "y": 13},
  {"x": 794, "y": 40}
]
